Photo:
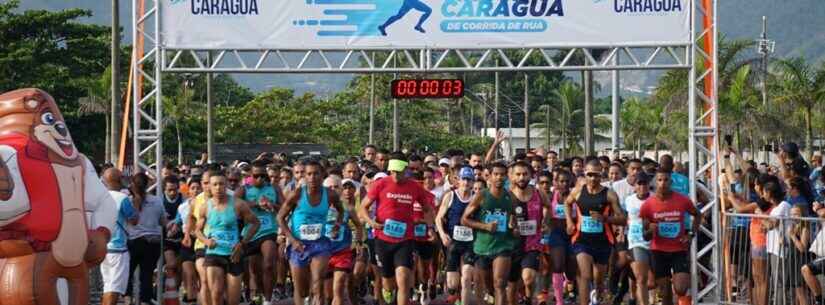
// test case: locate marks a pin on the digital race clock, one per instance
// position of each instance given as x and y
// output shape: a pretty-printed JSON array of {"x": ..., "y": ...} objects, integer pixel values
[{"x": 427, "y": 88}]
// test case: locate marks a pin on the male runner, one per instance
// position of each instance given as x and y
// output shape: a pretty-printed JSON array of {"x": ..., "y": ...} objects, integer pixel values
[
  {"x": 223, "y": 260},
  {"x": 598, "y": 209},
  {"x": 425, "y": 243},
  {"x": 490, "y": 215},
  {"x": 664, "y": 216},
  {"x": 196, "y": 206},
  {"x": 457, "y": 239},
  {"x": 341, "y": 261},
  {"x": 263, "y": 199},
  {"x": 115, "y": 266},
  {"x": 530, "y": 208},
  {"x": 309, "y": 246},
  {"x": 172, "y": 199},
  {"x": 393, "y": 227},
  {"x": 408, "y": 5}
]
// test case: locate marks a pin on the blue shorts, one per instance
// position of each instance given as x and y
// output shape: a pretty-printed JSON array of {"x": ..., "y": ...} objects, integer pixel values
[
  {"x": 558, "y": 238},
  {"x": 600, "y": 256},
  {"x": 312, "y": 249}
]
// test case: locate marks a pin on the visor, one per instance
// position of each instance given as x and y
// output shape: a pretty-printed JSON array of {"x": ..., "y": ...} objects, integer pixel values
[{"x": 397, "y": 165}]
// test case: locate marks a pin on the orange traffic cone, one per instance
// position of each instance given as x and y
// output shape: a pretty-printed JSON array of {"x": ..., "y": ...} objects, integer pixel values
[{"x": 170, "y": 294}]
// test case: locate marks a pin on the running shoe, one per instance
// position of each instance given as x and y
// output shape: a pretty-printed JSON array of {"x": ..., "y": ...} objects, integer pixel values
[
  {"x": 594, "y": 297},
  {"x": 388, "y": 296},
  {"x": 490, "y": 299}
]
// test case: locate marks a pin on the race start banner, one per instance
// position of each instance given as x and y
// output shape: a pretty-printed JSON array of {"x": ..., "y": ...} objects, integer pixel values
[{"x": 342, "y": 24}]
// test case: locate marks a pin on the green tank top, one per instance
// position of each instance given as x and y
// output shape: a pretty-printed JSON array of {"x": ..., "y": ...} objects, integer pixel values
[
  {"x": 268, "y": 226},
  {"x": 494, "y": 209}
]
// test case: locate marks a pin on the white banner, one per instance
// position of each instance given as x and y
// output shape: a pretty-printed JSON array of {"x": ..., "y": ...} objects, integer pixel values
[{"x": 329, "y": 24}]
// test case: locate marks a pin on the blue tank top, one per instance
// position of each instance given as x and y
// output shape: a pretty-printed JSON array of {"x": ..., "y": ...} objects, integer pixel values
[
  {"x": 268, "y": 225},
  {"x": 344, "y": 238},
  {"x": 454, "y": 213},
  {"x": 308, "y": 221},
  {"x": 223, "y": 227}
]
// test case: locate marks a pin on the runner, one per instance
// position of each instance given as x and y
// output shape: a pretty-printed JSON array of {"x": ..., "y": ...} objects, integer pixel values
[
  {"x": 263, "y": 200},
  {"x": 196, "y": 207},
  {"x": 408, "y": 5},
  {"x": 309, "y": 246},
  {"x": 341, "y": 261},
  {"x": 489, "y": 214},
  {"x": 394, "y": 227},
  {"x": 457, "y": 239},
  {"x": 562, "y": 258},
  {"x": 425, "y": 241},
  {"x": 187, "y": 253},
  {"x": 224, "y": 253},
  {"x": 639, "y": 247},
  {"x": 530, "y": 208},
  {"x": 598, "y": 209},
  {"x": 663, "y": 216},
  {"x": 115, "y": 266},
  {"x": 172, "y": 199}
]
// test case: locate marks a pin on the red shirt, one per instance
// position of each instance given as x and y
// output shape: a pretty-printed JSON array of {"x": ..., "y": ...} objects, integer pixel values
[
  {"x": 669, "y": 217},
  {"x": 396, "y": 202}
]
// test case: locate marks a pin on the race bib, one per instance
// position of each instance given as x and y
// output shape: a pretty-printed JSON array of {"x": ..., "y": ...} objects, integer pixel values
[
  {"x": 527, "y": 227},
  {"x": 462, "y": 233},
  {"x": 590, "y": 225},
  {"x": 669, "y": 229},
  {"x": 559, "y": 210},
  {"x": 635, "y": 233},
  {"x": 501, "y": 220},
  {"x": 310, "y": 232},
  {"x": 225, "y": 239},
  {"x": 420, "y": 230},
  {"x": 395, "y": 229},
  {"x": 267, "y": 224},
  {"x": 329, "y": 232}
]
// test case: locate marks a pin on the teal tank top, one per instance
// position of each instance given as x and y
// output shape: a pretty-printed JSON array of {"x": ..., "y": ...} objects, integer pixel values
[
  {"x": 344, "y": 238},
  {"x": 267, "y": 219},
  {"x": 308, "y": 221},
  {"x": 223, "y": 228}
]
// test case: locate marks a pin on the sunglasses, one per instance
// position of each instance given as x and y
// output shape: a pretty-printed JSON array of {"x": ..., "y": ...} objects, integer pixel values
[
  {"x": 593, "y": 175},
  {"x": 232, "y": 180},
  {"x": 260, "y": 176}
]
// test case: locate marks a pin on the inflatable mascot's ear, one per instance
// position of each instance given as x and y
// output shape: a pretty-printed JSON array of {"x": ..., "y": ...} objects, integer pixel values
[{"x": 55, "y": 213}]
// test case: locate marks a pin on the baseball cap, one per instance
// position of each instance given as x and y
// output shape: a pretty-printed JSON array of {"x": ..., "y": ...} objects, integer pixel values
[
  {"x": 466, "y": 173},
  {"x": 348, "y": 183},
  {"x": 379, "y": 176},
  {"x": 444, "y": 162},
  {"x": 791, "y": 148}
]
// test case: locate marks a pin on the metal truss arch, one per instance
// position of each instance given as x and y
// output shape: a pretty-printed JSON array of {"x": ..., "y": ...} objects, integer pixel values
[{"x": 151, "y": 59}]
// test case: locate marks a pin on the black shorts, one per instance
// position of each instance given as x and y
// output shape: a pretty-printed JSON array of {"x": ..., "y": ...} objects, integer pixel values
[
  {"x": 391, "y": 256},
  {"x": 457, "y": 252},
  {"x": 169, "y": 245},
  {"x": 666, "y": 264},
  {"x": 424, "y": 249},
  {"x": 521, "y": 261},
  {"x": 224, "y": 263},
  {"x": 371, "y": 249},
  {"x": 187, "y": 254},
  {"x": 254, "y": 247},
  {"x": 600, "y": 254},
  {"x": 200, "y": 253},
  {"x": 486, "y": 261},
  {"x": 817, "y": 266},
  {"x": 620, "y": 246}
]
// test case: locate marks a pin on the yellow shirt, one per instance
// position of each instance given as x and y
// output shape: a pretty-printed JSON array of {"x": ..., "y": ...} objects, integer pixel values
[{"x": 198, "y": 204}]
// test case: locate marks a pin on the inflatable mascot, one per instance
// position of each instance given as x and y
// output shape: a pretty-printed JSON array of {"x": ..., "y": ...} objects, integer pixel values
[{"x": 55, "y": 214}]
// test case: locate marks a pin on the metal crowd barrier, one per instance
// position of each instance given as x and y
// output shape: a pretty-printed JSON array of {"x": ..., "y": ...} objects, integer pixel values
[{"x": 772, "y": 276}]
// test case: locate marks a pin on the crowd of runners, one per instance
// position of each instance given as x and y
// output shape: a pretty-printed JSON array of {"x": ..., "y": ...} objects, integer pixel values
[{"x": 465, "y": 228}]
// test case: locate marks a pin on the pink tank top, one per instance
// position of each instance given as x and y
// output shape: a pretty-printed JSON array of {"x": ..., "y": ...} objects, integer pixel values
[
  {"x": 557, "y": 208},
  {"x": 531, "y": 227}
]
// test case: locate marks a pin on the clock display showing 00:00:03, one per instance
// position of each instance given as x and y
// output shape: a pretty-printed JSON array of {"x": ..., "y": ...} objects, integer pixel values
[{"x": 427, "y": 88}]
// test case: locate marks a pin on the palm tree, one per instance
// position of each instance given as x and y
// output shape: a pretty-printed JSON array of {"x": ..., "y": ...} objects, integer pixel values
[
  {"x": 97, "y": 101},
  {"x": 568, "y": 119},
  {"x": 803, "y": 86}
]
